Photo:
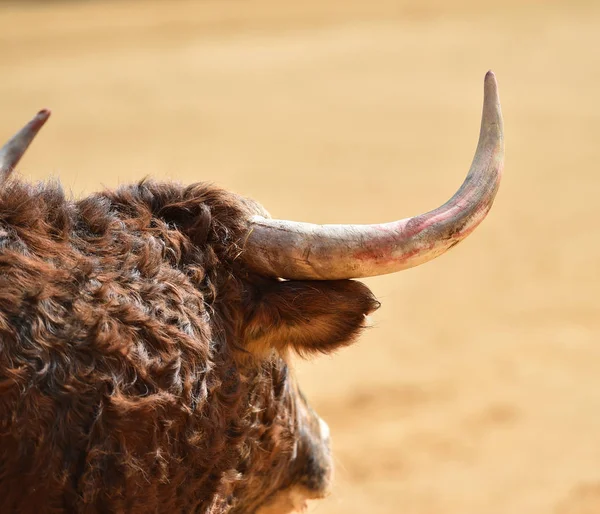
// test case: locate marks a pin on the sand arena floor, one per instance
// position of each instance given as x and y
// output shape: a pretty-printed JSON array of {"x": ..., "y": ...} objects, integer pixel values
[{"x": 477, "y": 391}]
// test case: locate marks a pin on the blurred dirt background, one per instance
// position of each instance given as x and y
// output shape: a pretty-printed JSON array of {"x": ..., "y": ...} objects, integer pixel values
[{"x": 478, "y": 388}]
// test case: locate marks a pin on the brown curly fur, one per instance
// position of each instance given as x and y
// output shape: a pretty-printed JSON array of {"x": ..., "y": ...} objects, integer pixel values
[{"x": 142, "y": 367}]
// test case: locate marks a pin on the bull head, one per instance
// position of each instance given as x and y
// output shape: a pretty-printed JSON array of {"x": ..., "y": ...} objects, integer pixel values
[{"x": 205, "y": 369}]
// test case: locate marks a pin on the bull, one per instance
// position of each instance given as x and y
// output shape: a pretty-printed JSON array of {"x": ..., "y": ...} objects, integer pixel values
[{"x": 146, "y": 335}]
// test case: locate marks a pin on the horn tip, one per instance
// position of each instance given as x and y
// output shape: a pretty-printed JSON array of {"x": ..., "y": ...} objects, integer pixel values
[
  {"x": 41, "y": 117},
  {"x": 491, "y": 98},
  {"x": 490, "y": 82}
]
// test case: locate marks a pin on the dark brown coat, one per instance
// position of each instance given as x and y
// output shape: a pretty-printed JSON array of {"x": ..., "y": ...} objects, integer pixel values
[{"x": 142, "y": 367}]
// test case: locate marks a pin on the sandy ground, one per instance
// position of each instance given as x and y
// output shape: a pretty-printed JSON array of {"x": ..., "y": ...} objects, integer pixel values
[{"x": 478, "y": 389}]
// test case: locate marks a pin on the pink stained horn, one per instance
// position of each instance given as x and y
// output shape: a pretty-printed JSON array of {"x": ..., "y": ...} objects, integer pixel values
[
  {"x": 13, "y": 150},
  {"x": 303, "y": 251}
]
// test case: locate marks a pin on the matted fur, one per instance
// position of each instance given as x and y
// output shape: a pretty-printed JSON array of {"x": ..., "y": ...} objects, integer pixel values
[{"x": 142, "y": 367}]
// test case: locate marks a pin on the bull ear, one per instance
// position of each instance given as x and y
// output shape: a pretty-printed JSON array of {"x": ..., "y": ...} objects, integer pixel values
[{"x": 306, "y": 316}]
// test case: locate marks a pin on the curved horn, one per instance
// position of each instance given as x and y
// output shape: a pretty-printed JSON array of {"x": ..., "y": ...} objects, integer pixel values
[
  {"x": 13, "y": 150},
  {"x": 326, "y": 252}
]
